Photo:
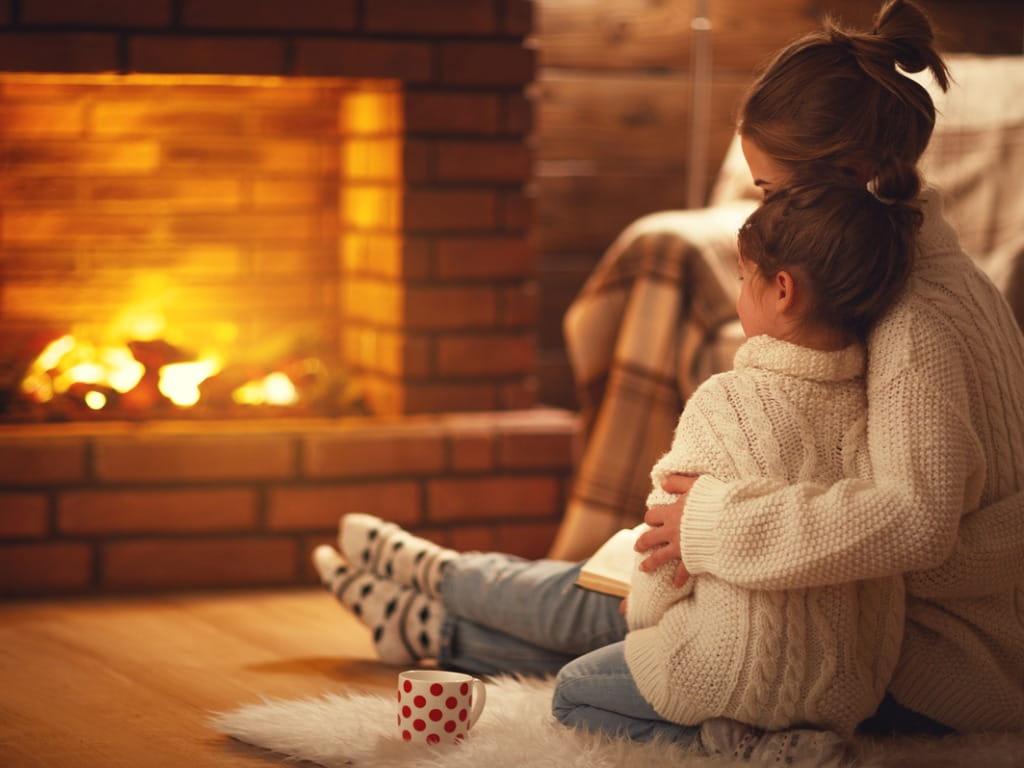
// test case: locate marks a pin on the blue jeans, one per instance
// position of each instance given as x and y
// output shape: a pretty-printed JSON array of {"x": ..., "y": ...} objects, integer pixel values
[
  {"x": 596, "y": 692},
  {"x": 507, "y": 615}
]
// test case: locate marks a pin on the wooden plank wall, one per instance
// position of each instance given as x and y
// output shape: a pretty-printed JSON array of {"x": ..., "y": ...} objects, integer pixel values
[{"x": 612, "y": 116}]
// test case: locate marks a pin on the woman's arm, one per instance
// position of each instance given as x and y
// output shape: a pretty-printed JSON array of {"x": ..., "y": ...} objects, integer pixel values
[{"x": 927, "y": 470}]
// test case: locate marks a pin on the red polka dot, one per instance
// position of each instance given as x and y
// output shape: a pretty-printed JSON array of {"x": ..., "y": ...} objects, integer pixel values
[
  {"x": 451, "y": 702},
  {"x": 460, "y": 737},
  {"x": 436, "y": 689},
  {"x": 433, "y": 738},
  {"x": 462, "y": 714},
  {"x": 406, "y": 711},
  {"x": 435, "y": 715},
  {"x": 406, "y": 736},
  {"x": 450, "y": 726},
  {"x": 419, "y": 725},
  {"x": 398, "y": 695},
  {"x": 464, "y": 689},
  {"x": 420, "y": 702},
  {"x": 407, "y": 686}
]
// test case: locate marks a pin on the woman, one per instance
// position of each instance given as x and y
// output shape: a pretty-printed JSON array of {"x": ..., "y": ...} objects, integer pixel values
[
  {"x": 946, "y": 409},
  {"x": 946, "y": 441}
]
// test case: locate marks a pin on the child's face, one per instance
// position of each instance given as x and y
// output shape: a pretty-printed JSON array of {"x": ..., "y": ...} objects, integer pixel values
[{"x": 752, "y": 304}]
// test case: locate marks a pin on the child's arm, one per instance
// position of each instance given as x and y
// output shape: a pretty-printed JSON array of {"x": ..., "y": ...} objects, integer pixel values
[
  {"x": 696, "y": 447},
  {"x": 651, "y": 594}
]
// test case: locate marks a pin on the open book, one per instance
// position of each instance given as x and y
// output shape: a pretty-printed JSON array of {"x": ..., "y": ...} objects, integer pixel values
[{"x": 610, "y": 570}]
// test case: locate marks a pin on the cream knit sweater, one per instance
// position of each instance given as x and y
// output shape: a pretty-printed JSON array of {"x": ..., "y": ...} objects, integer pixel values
[
  {"x": 945, "y": 387},
  {"x": 772, "y": 658}
]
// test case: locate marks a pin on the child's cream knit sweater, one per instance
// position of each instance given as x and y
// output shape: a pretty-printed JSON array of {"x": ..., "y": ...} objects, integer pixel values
[
  {"x": 946, "y": 504},
  {"x": 771, "y": 658}
]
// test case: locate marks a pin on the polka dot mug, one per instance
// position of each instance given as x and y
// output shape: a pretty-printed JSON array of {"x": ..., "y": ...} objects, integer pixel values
[{"x": 436, "y": 706}]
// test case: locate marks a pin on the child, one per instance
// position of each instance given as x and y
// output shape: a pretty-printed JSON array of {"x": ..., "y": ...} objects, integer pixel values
[{"x": 818, "y": 265}]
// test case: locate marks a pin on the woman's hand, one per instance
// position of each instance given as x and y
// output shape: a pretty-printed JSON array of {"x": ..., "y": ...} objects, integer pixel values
[{"x": 663, "y": 538}]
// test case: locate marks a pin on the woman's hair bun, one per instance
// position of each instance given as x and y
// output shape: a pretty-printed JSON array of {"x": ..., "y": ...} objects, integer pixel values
[{"x": 911, "y": 40}]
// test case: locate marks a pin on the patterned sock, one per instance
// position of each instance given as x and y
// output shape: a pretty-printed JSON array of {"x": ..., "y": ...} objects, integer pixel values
[
  {"x": 721, "y": 737},
  {"x": 406, "y": 624},
  {"x": 393, "y": 553}
]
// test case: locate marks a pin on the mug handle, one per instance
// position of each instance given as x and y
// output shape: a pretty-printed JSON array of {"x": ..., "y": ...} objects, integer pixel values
[{"x": 479, "y": 699}]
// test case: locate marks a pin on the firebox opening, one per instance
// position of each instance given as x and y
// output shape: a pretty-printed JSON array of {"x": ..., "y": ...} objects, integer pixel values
[{"x": 176, "y": 246}]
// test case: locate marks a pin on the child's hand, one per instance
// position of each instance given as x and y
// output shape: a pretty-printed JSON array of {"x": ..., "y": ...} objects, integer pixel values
[{"x": 623, "y": 607}]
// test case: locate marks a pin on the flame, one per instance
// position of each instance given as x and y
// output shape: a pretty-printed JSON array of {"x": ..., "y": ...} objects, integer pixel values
[
  {"x": 67, "y": 361},
  {"x": 179, "y": 382},
  {"x": 50, "y": 357},
  {"x": 273, "y": 389},
  {"x": 124, "y": 372}
]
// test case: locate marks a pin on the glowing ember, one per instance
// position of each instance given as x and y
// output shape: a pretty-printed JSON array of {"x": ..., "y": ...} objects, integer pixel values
[
  {"x": 66, "y": 362},
  {"x": 97, "y": 376},
  {"x": 95, "y": 400},
  {"x": 179, "y": 382},
  {"x": 274, "y": 389}
]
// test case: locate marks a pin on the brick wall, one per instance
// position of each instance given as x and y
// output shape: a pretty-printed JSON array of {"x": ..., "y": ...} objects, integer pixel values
[
  {"x": 439, "y": 311},
  {"x": 113, "y": 508},
  {"x": 435, "y": 305}
]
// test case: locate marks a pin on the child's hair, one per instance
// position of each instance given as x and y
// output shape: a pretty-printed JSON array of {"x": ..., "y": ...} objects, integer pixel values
[
  {"x": 833, "y": 102},
  {"x": 854, "y": 251}
]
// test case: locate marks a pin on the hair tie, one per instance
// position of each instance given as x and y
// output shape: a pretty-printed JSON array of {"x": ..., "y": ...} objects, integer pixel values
[{"x": 872, "y": 188}]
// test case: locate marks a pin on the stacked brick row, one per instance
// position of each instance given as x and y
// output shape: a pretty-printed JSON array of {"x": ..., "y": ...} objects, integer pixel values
[{"x": 110, "y": 508}]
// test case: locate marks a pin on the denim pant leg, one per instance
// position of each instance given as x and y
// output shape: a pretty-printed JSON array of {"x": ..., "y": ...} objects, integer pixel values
[
  {"x": 507, "y": 614},
  {"x": 596, "y": 692}
]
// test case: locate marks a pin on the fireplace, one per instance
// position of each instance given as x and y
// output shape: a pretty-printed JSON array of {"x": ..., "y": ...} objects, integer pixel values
[
  {"x": 263, "y": 262},
  {"x": 197, "y": 246}
]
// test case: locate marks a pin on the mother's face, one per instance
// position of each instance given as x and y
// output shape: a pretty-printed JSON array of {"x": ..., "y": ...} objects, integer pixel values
[{"x": 769, "y": 175}]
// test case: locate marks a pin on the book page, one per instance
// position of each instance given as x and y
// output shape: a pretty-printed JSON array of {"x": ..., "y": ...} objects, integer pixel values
[{"x": 610, "y": 570}]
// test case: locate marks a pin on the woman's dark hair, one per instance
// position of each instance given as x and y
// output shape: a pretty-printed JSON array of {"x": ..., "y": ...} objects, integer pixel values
[
  {"x": 854, "y": 250},
  {"x": 833, "y": 103}
]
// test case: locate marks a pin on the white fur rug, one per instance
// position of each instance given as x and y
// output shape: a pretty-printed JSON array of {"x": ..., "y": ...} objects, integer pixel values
[{"x": 517, "y": 730}]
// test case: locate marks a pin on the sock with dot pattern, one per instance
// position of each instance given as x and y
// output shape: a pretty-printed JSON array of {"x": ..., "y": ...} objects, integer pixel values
[
  {"x": 391, "y": 552},
  {"x": 406, "y": 623}
]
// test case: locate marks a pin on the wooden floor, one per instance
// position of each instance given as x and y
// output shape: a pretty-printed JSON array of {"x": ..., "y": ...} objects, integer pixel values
[{"x": 132, "y": 681}]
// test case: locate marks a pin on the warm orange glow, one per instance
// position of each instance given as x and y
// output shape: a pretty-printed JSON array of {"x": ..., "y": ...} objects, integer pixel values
[
  {"x": 67, "y": 361},
  {"x": 274, "y": 389},
  {"x": 179, "y": 382},
  {"x": 195, "y": 232},
  {"x": 95, "y": 400}
]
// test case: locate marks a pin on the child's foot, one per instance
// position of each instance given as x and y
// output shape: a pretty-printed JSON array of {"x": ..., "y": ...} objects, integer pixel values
[
  {"x": 393, "y": 553},
  {"x": 406, "y": 624}
]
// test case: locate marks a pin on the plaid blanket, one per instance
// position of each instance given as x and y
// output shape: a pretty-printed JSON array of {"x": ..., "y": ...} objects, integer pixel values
[
  {"x": 633, "y": 335},
  {"x": 648, "y": 325}
]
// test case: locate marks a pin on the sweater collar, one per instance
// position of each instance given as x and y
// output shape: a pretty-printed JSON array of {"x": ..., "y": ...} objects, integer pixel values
[{"x": 771, "y": 354}]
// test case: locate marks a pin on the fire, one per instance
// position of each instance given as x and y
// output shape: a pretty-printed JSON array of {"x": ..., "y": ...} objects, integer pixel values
[
  {"x": 96, "y": 373},
  {"x": 179, "y": 382},
  {"x": 274, "y": 389},
  {"x": 66, "y": 362}
]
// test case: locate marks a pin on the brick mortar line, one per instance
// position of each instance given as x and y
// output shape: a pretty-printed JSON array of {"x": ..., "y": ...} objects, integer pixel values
[{"x": 177, "y": 14}]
